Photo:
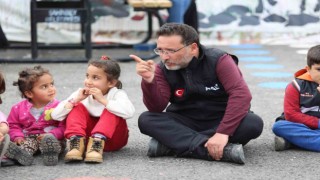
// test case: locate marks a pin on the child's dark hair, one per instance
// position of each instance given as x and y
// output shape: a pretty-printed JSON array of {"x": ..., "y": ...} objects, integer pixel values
[
  {"x": 110, "y": 67},
  {"x": 313, "y": 56},
  {"x": 28, "y": 77},
  {"x": 2, "y": 84}
]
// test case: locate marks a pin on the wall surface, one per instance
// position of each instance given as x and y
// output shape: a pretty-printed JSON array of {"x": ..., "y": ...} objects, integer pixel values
[{"x": 220, "y": 22}]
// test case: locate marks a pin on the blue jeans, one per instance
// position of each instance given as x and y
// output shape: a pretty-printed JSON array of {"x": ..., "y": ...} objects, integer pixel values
[
  {"x": 177, "y": 11},
  {"x": 298, "y": 134}
]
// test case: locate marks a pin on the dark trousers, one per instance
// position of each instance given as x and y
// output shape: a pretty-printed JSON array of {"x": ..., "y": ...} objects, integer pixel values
[
  {"x": 3, "y": 39},
  {"x": 186, "y": 137}
]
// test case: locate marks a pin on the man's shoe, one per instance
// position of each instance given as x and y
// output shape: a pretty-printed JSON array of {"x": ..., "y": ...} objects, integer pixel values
[
  {"x": 280, "y": 144},
  {"x": 233, "y": 153},
  {"x": 50, "y": 148},
  {"x": 157, "y": 149}
]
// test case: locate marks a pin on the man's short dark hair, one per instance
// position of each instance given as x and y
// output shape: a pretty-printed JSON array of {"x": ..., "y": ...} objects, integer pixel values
[{"x": 189, "y": 34}]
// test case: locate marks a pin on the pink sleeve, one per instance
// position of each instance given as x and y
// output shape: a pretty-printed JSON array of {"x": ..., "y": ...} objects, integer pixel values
[
  {"x": 15, "y": 129},
  {"x": 239, "y": 94}
]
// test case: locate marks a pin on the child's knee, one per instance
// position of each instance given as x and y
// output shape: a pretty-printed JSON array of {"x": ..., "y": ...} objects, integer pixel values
[{"x": 278, "y": 126}]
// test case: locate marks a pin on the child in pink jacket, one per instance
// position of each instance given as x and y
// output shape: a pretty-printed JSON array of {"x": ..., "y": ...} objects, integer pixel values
[{"x": 28, "y": 128}]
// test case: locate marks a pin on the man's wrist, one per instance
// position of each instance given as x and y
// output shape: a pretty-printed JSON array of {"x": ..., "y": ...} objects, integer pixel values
[{"x": 148, "y": 80}]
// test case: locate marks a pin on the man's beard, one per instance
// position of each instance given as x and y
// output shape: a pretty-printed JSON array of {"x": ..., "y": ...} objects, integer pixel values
[{"x": 184, "y": 63}]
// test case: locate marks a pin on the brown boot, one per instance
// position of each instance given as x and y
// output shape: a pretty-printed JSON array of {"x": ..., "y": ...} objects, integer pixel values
[
  {"x": 75, "y": 149},
  {"x": 94, "y": 150}
]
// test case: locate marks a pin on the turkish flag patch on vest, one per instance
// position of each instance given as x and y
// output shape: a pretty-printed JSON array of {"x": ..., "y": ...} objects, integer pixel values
[{"x": 179, "y": 93}]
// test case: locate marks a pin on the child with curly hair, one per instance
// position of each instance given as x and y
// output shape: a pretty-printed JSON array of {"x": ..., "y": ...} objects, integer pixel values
[{"x": 28, "y": 128}]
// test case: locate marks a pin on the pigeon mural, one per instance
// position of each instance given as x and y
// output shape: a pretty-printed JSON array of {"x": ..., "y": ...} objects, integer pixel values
[
  {"x": 115, "y": 21},
  {"x": 261, "y": 11}
]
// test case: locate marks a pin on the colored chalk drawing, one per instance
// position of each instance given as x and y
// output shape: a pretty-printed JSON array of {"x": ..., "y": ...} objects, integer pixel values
[
  {"x": 264, "y": 66},
  {"x": 251, "y": 52},
  {"x": 246, "y": 46},
  {"x": 256, "y": 57},
  {"x": 273, "y": 85},
  {"x": 272, "y": 74}
]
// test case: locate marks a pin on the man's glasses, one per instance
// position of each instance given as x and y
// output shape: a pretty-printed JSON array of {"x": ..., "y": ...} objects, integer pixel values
[{"x": 168, "y": 51}]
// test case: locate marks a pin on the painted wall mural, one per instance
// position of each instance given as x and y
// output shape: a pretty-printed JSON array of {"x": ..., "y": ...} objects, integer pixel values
[
  {"x": 259, "y": 21},
  {"x": 220, "y": 22},
  {"x": 268, "y": 11}
]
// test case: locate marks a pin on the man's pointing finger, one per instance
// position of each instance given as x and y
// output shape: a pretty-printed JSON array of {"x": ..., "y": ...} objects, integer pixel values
[{"x": 136, "y": 58}]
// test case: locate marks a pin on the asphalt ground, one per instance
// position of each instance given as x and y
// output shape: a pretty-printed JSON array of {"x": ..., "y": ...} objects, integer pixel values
[{"x": 265, "y": 68}]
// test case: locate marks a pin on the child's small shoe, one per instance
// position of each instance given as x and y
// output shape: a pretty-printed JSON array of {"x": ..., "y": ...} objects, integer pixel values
[
  {"x": 94, "y": 152},
  {"x": 4, "y": 145},
  {"x": 280, "y": 144},
  {"x": 75, "y": 147},
  {"x": 7, "y": 162},
  {"x": 50, "y": 148},
  {"x": 22, "y": 156}
]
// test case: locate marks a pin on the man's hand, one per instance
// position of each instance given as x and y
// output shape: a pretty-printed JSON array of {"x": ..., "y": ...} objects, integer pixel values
[
  {"x": 216, "y": 144},
  {"x": 145, "y": 69}
]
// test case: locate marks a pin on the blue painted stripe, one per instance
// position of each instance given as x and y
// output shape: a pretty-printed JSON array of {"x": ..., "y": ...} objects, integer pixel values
[
  {"x": 257, "y": 58},
  {"x": 251, "y": 52},
  {"x": 264, "y": 66},
  {"x": 246, "y": 46},
  {"x": 274, "y": 85},
  {"x": 272, "y": 74}
]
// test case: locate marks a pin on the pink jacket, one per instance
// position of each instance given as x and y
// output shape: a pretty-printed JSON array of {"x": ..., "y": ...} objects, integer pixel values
[{"x": 22, "y": 123}]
